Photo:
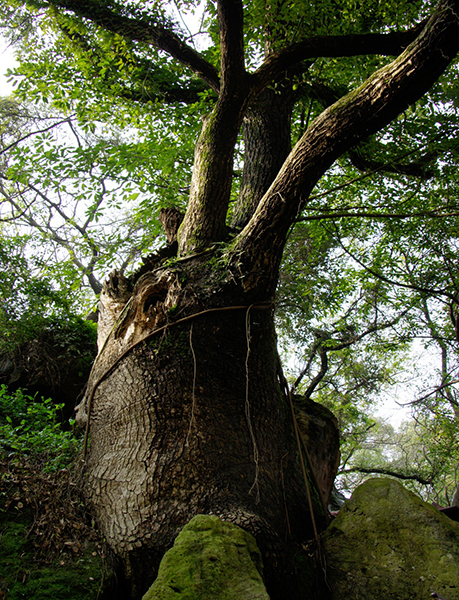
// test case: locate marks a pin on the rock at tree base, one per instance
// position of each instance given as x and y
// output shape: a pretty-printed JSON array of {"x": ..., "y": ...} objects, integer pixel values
[
  {"x": 210, "y": 560},
  {"x": 387, "y": 543},
  {"x": 320, "y": 432}
]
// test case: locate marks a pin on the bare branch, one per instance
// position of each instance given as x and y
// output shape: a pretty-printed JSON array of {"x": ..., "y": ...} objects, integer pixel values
[
  {"x": 324, "y": 345},
  {"x": 431, "y": 291},
  {"x": 32, "y": 133},
  {"x": 380, "y": 471}
]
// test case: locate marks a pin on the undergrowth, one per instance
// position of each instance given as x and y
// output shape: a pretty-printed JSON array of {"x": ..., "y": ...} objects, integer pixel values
[
  {"x": 30, "y": 427},
  {"x": 49, "y": 547}
]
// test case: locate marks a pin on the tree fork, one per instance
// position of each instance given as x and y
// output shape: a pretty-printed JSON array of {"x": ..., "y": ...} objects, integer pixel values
[{"x": 366, "y": 110}]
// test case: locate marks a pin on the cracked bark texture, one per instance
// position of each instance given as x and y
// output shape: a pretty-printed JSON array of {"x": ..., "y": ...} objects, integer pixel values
[
  {"x": 183, "y": 418},
  {"x": 192, "y": 420}
]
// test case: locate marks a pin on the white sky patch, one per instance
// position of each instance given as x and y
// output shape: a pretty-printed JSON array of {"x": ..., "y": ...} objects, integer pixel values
[
  {"x": 7, "y": 61},
  {"x": 191, "y": 22},
  {"x": 392, "y": 408}
]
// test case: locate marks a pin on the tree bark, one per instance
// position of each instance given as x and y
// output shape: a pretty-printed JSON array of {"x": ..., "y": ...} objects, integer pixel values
[
  {"x": 267, "y": 143},
  {"x": 184, "y": 408},
  {"x": 188, "y": 416},
  {"x": 205, "y": 218},
  {"x": 364, "y": 111}
]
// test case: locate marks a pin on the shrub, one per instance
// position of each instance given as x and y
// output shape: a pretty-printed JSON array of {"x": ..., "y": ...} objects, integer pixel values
[{"x": 30, "y": 427}]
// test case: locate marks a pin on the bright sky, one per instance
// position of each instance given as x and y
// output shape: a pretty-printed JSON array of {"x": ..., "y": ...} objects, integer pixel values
[{"x": 6, "y": 62}]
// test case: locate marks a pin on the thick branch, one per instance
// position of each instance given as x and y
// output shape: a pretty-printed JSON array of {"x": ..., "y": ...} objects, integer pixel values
[
  {"x": 363, "y": 158},
  {"x": 150, "y": 82},
  {"x": 368, "y": 214},
  {"x": 205, "y": 219},
  {"x": 267, "y": 143},
  {"x": 373, "y": 105},
  {"x": 142, "y": 30},
  {"x": 385, "y": 44},
  {"x": 210, "y": 190}
]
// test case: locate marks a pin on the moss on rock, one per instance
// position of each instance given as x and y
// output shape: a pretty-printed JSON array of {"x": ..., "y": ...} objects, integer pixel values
[
  {"x": 62, "y": 578},
  {"x": 387, "y": 543},
  {"x": 211, "y": 559}
]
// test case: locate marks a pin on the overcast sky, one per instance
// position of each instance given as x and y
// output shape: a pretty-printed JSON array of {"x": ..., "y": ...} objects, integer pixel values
[{"x": 6, "y": 62}]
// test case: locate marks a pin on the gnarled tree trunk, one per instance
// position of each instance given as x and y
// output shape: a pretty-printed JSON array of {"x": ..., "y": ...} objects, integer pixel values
[
  {"x": 185, "y": 406},
  {"x": 188, "y": 416}
]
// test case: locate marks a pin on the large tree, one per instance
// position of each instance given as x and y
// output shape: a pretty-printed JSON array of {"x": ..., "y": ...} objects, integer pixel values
[{"x": 186, "y": 410}]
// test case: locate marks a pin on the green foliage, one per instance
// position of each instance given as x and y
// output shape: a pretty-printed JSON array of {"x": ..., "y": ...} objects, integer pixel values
[
  {"x": 77, "y": 579},
  {"x": 34, "y": 300},
  {"x": 31, "y": 427},
  {"x": 68, "y": 187}
]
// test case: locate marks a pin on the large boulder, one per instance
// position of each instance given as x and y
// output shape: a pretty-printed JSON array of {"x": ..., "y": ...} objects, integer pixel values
[
  {"x": 55, "y": 364},
  {"x": 210, "y": 560},
  {"x": 387, "y": 543},
  {"x": 320, "y": 432}
]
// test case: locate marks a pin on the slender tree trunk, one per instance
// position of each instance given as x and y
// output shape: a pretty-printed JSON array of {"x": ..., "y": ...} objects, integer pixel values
[{"x": 267, "y": 143}]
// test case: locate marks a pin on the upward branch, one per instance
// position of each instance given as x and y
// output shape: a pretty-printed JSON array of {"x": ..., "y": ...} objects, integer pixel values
[
  {"x": 230, "y": 20},
  {"x": 353, "y": 118},
  {"x": 210, "y": 191}
]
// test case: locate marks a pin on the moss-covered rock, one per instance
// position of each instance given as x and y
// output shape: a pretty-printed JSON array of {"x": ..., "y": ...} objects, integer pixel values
[
  {"x": 211, "y": 559},
  {"x": 387, "y": 543}
]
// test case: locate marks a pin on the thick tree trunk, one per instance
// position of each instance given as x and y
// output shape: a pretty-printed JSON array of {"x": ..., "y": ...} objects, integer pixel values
[
  {"x": 185, "y": 409},
  {"x": 188, "y": 416}
]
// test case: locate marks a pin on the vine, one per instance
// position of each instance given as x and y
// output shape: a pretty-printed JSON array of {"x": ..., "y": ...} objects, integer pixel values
[
  {"x": 255, "y": 485},
  {"x": 193, "y": 394},
  {"x": 109, "y": 369}
]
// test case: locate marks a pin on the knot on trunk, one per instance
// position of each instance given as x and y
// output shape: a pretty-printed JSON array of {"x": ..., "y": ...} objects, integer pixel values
[
  {"x": 154, "y": 294},
  {"x": 125, "y": 323}
]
